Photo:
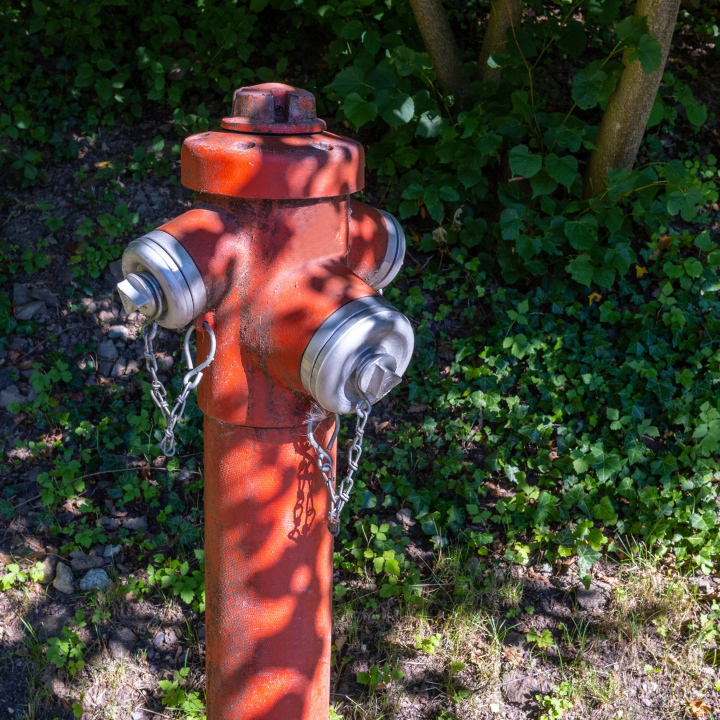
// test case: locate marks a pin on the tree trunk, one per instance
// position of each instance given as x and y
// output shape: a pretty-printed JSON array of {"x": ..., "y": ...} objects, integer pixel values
[
  {"x": 503, "y": 15},
  {"x": 440, "y": 44},
  {"x": 628, "y": 110}
]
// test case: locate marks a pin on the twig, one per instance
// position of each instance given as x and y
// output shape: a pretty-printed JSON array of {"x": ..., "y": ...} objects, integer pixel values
[{"x": 29, "y": 352}]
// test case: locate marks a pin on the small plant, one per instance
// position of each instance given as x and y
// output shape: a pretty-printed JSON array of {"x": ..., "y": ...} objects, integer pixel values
[
  {"x": 427, "y": 645},
  {"x": 543, "y": 639},
  {"x": 557, "y": 703},
  {"x": 67, "y": 650},
  {"x": 177, "y": 697},
  {"x": 15, "y": 575},
  {"x": 379, "y": 678}
]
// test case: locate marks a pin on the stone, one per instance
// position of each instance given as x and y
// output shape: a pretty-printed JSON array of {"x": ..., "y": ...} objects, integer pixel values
[
  {"x": 115, "y": 268},
  {"x": 29, "y": 310},
  {"x": 159, "y": 640},
  {"x": 123, "y": 643},
  {"x": 520, "y": 691},
  {"x": 165, "y": 362},
  {"x": 106, "y": 368},
  {"x": 405, "y": 517},
  {"x": 50, "y": 626},
  {"x": 592, "y": 598},
  {"x": 63, "y": 581},
  {"x": 107, "y": 350},
  {"x": 118, "y": 369},
  {"x": 138, "y": 523},
  {"x": 81, "y": 562},
  {"x": 132, "y": 367},
  {"x": 48, "y": 567},
  {"x": 107, "y": 316},
  {"x": 201, "y": 632},
  {"x": 109, "y": 523},
  {"x": 118, "y": 331},
  {"x": 10, "y": 395},
  {"x": 7, "y": 377},
  {"x": 89, "y": 304},
  {"x": 514, "y": 639},
  {"x": 111, "y": 550},
  {"x": 95, "y": 580},
  {"x": 21, "y": 294},
  {"x": 46, "y": 296}
]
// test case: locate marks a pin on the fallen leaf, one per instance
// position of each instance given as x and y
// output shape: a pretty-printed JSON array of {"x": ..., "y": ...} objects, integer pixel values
[
  {"x": 422, "y": 407},
  {"x": 665, "y": 242},
  {"x": 339, "y": 642},
  {"x": 699, "y": 708},
  {"x": 513, "y": 655},
  {"x": 594, "y": 297},
  {"x": 640, "y": 271}
]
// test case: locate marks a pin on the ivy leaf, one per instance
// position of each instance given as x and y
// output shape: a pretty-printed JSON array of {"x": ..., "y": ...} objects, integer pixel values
[
  {"x": 587, "y": 557},
  {"x": 400, "y": 111},
  {"x": 582, "y": 233},
  {"x": 631, "y": 29},
  {"x": 685, "y": 202},
  {"x": 581, "y": 270},
  {"x": 350, "y": 81},
  {"x": 510, "y": 223},
  {"x": 608, "y": 465},
  {"x": 604, "y": 511},
  {"x": 359, "y": 111},
  {"x": 543, "y": 184},
  {"x": 545, "y": 506},
  {"x": 587, "y": 87},
  {"x": 563, "y": 169},
  {"x": 523, "y": 162},
  {"x": 693, "y": 267},
  {"x": 649, "y": 52}
]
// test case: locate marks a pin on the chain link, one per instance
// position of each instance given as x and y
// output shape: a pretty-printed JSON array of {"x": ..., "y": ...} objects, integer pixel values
[
  {"x": 190, "y": 381},
  {"x": 339, "y": 496}
]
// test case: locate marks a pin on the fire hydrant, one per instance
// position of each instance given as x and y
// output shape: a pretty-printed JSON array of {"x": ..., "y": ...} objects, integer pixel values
[{"x": 280, "y": 270}]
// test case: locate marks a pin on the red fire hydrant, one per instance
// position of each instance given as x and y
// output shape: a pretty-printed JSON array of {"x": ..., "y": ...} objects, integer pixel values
[{"x": 280, "y": 270}]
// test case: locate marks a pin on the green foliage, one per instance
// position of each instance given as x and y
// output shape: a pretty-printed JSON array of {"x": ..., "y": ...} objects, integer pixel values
[
  {"x": 15, "y": 575},
  {"x": 177, "y": 697},
  {"x": 542, "y": 639},
  {"x": 556, "y": 703},
  {"x": 176, "y": 577},
  {"x": 379, "y": 678},
  {"x": 67, "y": 650}
]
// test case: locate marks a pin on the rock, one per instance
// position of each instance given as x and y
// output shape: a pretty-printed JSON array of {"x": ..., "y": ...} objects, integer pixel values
[
  {"x": 107, "y": 316},
  {"x": 81, "y": 561},
  {"x": 107, "y": 350},
  {"x": 132, "y": 367},
  {"x": 514, "y": 639},
  {"x": 109, "y": 523},
  {"x": 48, "y": 565},
  {"x": 123, "y": 643},
  {"x": 7, "y": 377},
  {"x": 89, "y": 304},
  {"x": 115, "y": 268},
  {"x": 111, "y": 550},
  {"x": 21, "y": 294},
  {"x": 50, "y": 626},
  {"x": 521, "y": 691},
  {"x": 591, "y": 599},
  {"x": 405, "y": 517},
  {"x": 106, "y": 368},
  {"x": 118, "y": 369},
  {"x": 159, "y": 640},
  {"x": 118, "y": 331},
  {"x": 63, "y": 581},
  {"x": 201, "y": 632},
  {"x": 29, "y": 310},
  {"x": 165, "y": 362},
  {"x": 95, "y": 580},
  {"x": 138, "y": 523},
  {"x": 10, "y": 395},
  {"x": 46, "y": 296},
  {"x": 171, "y": 637}
]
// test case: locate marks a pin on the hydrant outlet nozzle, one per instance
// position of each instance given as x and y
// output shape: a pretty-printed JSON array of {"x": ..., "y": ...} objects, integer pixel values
[
  {"x": 140, "y": 292},
  {"x": 376, "y": 378}
]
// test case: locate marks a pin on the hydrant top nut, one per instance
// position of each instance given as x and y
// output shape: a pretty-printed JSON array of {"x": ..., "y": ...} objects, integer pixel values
[{"x": 274, "y": 109}]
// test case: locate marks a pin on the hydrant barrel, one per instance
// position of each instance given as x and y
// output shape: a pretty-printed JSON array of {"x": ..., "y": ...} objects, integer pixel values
[{"x": 284, "y": 268}]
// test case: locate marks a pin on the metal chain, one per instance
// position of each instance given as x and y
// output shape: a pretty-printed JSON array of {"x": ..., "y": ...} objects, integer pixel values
[
  {"x": 341, "y": 495},
  {"x": 190, "y": 381}
]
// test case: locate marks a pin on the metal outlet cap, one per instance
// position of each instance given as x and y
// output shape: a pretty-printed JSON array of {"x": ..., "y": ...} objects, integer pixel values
[
  {"x": 364, "y": 347},
  {"x": 395, "y": 255},
  {"x": 161, "y": 281}
]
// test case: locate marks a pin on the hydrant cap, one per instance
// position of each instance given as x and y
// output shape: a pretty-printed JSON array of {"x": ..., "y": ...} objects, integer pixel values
[{"x": 274, "y": 109}]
